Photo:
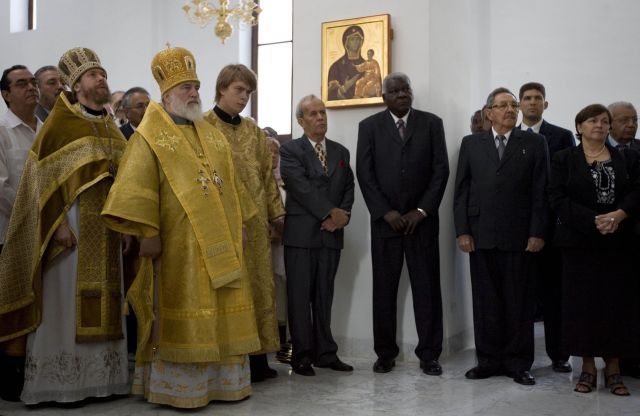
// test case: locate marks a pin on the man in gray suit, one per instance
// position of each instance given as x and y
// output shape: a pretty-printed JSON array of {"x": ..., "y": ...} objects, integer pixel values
[
  {"x": 50, "y": 85},
  {"x": 319, "y": 184}
]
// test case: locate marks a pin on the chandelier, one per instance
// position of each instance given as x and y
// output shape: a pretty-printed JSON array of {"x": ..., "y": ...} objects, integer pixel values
[{"x": 201, "y": 12}]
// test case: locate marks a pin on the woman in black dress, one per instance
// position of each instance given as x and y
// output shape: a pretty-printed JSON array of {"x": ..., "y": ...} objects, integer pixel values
[{"x": 594, "y": 190}]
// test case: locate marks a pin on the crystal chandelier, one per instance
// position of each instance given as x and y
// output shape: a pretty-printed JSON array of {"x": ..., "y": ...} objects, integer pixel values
[{"x": 201, "y": 12}]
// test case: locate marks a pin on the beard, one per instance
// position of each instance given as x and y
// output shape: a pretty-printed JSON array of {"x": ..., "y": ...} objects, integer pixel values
[
  {"x": 190, "y": 111},
  {"x": 97, "y": 95}
]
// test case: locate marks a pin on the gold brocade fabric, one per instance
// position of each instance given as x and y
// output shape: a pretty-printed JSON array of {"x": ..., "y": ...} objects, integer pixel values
[
  {"x": 98, "y": 291},
  {"x": 66, "y": 159},
  {"x": 204, "y": 310},
  {"x": 252, "y": 159}
]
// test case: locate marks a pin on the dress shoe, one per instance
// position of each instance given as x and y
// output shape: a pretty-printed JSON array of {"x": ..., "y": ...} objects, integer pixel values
[
  {"x": 479, "y": 373},
  {"x": 561, "y": 366},
  {"x": 304, "y": 370},
  {"x": 383, "y": 366},
  {"x": 270, "y": 373},
  {"x": 431, "y": 368},
  {"x": 524, "y": 377},
  {"x": 337, "y": 365}
]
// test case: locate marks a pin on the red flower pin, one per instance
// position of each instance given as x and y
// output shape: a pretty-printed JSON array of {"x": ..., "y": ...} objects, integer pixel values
[{"x": 341, "y": 163}]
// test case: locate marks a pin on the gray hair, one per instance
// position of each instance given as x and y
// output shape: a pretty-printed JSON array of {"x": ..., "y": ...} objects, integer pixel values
[
  {"x": 126, "y": 98},
  {"x": 492, "y": 96},
  {"x": 620, "y": 104},
  {"x": 44, "y": 69},
  {"x": 394, "y": 76},
  {"x": 302, "y": 102}
]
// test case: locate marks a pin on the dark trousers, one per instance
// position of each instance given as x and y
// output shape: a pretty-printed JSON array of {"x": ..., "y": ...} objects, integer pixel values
[
  {"x": 310, "y": 277},
  {"x": 423, "y": 262},
  {"x": 503, "y": 306},
  {"x": 548, "y": 267}
]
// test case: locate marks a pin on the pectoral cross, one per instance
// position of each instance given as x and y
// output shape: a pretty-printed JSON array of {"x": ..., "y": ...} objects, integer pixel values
[{"x": 203, "y": 180}]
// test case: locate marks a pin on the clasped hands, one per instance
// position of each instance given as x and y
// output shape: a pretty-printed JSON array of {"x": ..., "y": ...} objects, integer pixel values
[
  {"x": 406, "y": 223},
  {"x": 337, "y": 219},
  {"x": 608, "y": 223}
]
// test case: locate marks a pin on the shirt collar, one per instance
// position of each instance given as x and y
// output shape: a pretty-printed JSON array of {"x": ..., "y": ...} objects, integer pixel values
[
  {"x": 14, "y": 121},
  {"x": 404, "y": 118},
  {"x": 323, "y": 144},
  {"x": 506, "y": 135},
  {"x": 535, "y": 127},
  {"x": 224, "y": 116}
]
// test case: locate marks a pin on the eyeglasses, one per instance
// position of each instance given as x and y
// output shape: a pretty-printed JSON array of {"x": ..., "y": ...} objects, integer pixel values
[
  {"x": 22, "y": 83},
  {"x": 503, "y": 106},
  {"x": 626, "y": 120}
]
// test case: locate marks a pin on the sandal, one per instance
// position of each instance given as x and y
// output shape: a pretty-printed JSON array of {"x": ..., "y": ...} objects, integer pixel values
[
  {"x": 615, "y": 384},
  {"x": 586, "y": 382}
]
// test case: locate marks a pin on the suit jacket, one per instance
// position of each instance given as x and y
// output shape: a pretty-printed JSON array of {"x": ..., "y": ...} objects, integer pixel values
[
  {"x": 41, "y": 112},
  {"x": 311, "y": 194},
  {"x": 572, "y": 194},
  {"x": 501, "y": 202},
  {"x": 402, "y": 175},
  {"x": 127, "y": 130}
]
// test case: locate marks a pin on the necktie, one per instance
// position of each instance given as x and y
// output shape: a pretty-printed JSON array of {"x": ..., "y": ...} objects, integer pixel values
[
  {"x": 402, "y": 129},
  {"x": 501, "y": 146},
  {"x": 530, "y": 130},
  {"x": 322, "y": 157}
]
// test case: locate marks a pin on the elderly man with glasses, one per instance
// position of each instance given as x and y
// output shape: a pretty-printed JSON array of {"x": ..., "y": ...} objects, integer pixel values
[{"x": 500, "y": 215}]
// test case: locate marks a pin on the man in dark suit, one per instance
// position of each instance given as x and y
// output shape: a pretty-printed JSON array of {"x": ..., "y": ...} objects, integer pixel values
[
  {"x": 402, "y": 168},
  {"x": 319, "y": 184},
  {"x": 548, "y": 262},
  {"x": 134, "y": 103},
  {"x": 500, "y": 215},
  {"x": 624, "y": 126}
]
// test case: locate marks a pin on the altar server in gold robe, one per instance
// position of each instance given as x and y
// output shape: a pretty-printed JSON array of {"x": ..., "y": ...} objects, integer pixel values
[
  {"x": 60, "y": 278},
  {"x": 176, "y": 191},
  {"x": 252, "y": 159}
]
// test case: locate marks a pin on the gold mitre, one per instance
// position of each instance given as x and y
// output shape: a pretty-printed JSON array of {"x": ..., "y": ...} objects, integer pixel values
[
  {"x": 76, "y": 62},
  {"x": 173, "y": 66}
]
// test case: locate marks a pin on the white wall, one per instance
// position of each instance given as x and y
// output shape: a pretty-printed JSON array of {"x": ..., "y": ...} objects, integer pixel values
[
  {"x": 126, "y": 35},
  {"x": 455, "y": 52}
]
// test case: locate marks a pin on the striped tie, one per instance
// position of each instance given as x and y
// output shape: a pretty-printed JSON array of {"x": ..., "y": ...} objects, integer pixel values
[{"x": 322, "y": 157}]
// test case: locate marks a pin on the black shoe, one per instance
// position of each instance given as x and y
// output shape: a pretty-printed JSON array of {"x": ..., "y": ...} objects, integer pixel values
[
  {"x": 304, "y": 370},
  {"x": 270, "y": 373},
  {"x": 383, "y": 366},
  {"x": 561, "y": 366},
  {"x": 524, "y": 377},
  {"x": 431, "y": 368},
  {"x": 479, "y": 373},
  {"x": 337, "y": 365},
  {"x": 12, "y": 378}
]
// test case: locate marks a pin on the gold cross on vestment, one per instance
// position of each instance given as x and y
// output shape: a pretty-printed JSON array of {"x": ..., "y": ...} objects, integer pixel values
[{"x": 203, "y": 180}]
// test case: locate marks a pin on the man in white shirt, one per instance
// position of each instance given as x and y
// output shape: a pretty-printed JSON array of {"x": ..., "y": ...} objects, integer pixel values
[{"x": 18, "y": 127}]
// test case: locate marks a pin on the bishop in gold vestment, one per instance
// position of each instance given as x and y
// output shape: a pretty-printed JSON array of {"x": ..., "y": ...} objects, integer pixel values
[
  {"x": 176, "y": 186},
  {"x": 60, "y": 279}
]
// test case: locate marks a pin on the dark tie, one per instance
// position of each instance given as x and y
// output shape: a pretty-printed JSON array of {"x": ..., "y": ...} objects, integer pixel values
[
  {"x": 402, "y": 129},
  {"x": 501, "y": 146},
  {"x": 530, "y": 130},
  {"x": 622, "y": 146},
  {"x": 322, "y": 157}
]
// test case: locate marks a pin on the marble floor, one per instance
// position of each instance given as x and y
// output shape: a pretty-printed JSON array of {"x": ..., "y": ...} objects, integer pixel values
[{"x": 404, "y": 391}]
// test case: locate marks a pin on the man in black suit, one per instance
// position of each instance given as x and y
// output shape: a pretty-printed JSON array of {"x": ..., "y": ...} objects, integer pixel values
[
  {"x": 500, "y": 215},
  {"x": 402, "y": 168},
  {"x": 319, "y": 184},
  {"x": 624, "y": 126},
  {"x": 134, "y": 104},
  {"x": 548, "y": 262}
]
